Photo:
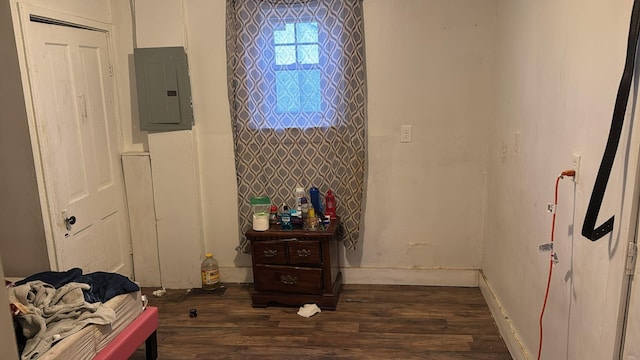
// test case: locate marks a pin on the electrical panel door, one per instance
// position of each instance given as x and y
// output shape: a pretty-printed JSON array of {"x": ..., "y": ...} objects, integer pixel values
[{"x": 164, "y": 89}]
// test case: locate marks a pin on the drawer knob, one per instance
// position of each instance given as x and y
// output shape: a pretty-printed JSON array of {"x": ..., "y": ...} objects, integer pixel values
[
  {"x": 304, "y": 252},
  {"x": 270, "y": 253},
  {"x": 288, "y": 280}
]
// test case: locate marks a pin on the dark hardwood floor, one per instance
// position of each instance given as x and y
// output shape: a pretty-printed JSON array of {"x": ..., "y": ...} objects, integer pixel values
[{"x": 371, "y": 322}]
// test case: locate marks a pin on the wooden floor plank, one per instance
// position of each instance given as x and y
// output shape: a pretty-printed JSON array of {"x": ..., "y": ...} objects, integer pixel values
[{"x": 371, "y": 322}]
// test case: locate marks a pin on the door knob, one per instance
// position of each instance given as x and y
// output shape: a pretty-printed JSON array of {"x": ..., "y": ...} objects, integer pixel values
[{"x": 69, "y": 221}]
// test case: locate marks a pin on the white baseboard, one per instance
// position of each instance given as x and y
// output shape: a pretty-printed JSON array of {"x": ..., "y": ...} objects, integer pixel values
[
  {"x": 507, "y": 330},
  {"x": 236, "y": 274},
  {"x": 400, "y": 276},
  {"x": 382, "y": 276}
]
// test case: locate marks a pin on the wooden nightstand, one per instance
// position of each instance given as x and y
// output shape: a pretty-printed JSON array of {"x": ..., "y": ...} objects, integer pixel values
[{"x": 296, "y": 267}]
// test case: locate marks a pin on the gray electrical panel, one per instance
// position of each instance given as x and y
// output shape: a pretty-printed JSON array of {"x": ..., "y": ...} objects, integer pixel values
[{"x": 164, "y": 89}]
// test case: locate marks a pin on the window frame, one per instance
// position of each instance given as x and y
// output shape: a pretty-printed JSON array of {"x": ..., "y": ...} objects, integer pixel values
[{"x": 283, "y": 120}]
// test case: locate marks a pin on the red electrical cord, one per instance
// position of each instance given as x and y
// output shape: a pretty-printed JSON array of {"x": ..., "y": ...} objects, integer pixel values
[{"x": 551, "y": 258}]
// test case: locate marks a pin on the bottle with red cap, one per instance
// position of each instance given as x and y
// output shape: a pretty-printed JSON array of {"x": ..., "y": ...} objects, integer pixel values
[
  {"x": 330, "y": 204},
  {"x": 273, "y": 215}
]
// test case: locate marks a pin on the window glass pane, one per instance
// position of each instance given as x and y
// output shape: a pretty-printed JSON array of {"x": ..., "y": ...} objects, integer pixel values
[
  {"x": 284, "y": 34},
  {"x": 285, "y": 54},
  {"x": 287, "y": 91},
  {"x": 310, "y": 97},
  {"x": 307, "y": 32},
  {"x": 297, "y": 91},
  {"x": 308, "y": 54}
]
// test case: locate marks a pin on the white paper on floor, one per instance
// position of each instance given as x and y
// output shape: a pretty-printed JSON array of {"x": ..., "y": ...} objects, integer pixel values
[{"x": 308, "y": 310}]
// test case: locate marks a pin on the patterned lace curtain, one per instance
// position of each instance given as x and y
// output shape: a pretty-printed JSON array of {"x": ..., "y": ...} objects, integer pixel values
[{"x": 296, "y": 80}]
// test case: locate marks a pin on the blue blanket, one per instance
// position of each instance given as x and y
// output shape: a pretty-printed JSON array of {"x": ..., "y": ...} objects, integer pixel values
[{"x": 103, "y": 286}]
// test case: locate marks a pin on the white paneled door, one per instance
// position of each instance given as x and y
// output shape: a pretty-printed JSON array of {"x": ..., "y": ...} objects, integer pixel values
[{"x": 72, "y": 90}]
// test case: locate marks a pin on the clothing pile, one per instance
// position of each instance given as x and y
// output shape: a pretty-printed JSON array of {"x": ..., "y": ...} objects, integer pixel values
[{"x": 50, "y": 306}]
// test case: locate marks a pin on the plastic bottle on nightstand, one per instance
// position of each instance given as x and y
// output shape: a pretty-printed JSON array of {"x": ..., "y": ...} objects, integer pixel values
[
  {"x": 312, "y": 221},
  {"x": 210, "y": 273},
  {"x": 330, "y": 205},
  {"x": 285, "y": 218},
  {"x": 305, "y": 208},
  {"x": 299, "y": 196},
  {"x": 273, "y": 215},
  {"x": 314, "y": 194}
]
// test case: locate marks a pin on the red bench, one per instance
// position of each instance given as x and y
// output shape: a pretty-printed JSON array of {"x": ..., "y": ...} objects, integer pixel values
[{"x": 141, "y": 330}]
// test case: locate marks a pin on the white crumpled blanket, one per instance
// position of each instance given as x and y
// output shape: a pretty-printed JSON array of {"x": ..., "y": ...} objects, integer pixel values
[{"x": 54, "y": 314}]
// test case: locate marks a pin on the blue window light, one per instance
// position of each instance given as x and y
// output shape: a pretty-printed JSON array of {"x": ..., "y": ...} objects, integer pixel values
[{"x": 297, "y": 68}]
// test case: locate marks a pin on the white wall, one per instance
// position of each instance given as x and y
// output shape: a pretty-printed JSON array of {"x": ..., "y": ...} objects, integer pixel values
[
  {"x": 174, "y": 162},
  {"x": 124, "y": 40},
  {"x": 205, "y": 22},
  {"x": 429, "y": 65},
  {"x": 425, "y": 199},
  {"x": 558, "y": 64}
]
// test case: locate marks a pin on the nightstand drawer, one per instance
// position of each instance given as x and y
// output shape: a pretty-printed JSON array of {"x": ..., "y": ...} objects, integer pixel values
[
  {"x": 304, "y": 252},
  {"x": 288, "y": 279},
  {"x": 296, "y": 267},
  {"x": 270, "y": 252}
]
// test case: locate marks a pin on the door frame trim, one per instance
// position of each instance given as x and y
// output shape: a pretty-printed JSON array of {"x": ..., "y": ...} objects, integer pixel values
[
  {"x": 22, "y": 13},
  {"x": 633, "y": 149}
]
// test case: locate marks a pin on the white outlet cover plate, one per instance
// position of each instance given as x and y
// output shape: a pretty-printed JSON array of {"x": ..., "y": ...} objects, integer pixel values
[
  {"x": 576, "y": 167},
  {"x": 405, "y": 133}
]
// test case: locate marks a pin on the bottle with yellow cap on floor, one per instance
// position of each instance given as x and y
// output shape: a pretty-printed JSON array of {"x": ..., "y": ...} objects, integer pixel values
[{"x": 210, "y": 273}]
